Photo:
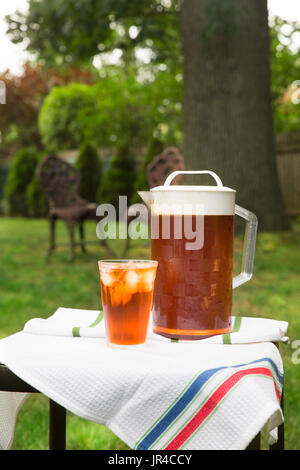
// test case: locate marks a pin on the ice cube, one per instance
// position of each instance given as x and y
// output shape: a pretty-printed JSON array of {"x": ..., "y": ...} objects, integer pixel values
[
  {"x": 147, "y": 280},
  {"x": 107, "y": 278},
  {"x": 131, "y": 280},
  {"x": 119, "y": 294},
  {"x": 149, "y": 276}
]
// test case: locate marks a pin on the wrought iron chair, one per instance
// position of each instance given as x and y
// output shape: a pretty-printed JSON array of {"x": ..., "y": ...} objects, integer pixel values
[
  {"x": 60, "y": 182},
  {"x": 163, "y": 164},
  {"x": 157, "y": 171}
]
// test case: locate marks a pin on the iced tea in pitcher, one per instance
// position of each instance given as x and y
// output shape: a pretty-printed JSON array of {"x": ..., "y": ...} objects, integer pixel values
[{"x": 192, "y": 299}]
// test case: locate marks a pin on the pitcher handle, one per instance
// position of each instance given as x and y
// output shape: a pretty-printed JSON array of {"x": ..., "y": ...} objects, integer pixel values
[
  {"x": 193, "y": 172},
  {"x": 248, "y": 248}
]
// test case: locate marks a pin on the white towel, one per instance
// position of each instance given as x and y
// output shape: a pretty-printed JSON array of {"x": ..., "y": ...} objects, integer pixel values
[
  {"x": 88, "y": 323},
  {"x": 163, "y": 394},
  {"x": 69, "y": 322}
]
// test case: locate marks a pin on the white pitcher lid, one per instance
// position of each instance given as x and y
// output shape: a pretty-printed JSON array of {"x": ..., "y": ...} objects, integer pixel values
[{"x": 180, "y": 187}]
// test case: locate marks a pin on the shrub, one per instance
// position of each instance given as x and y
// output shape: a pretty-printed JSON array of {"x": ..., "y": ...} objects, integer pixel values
[
  {"x": 4, "y": 171},
  {"x": 89, "y": 165},
  {"x": 119, "y": 179},
  {"x": 36, "y": 200},
  {"x": 20, "y": 175},
  {"x": 63, "y": 114}
]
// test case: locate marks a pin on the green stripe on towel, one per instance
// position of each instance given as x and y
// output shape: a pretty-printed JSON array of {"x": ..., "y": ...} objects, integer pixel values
[
  {"x": 76, "y": 329},
  {"x": 98, "y": 319},
  {"x": 226, "y": 337},
  {"x": 237, "y": 324},
  {"x": 235, "y": 329}
]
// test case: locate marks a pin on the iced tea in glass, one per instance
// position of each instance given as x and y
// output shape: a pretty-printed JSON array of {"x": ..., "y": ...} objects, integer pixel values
[{"x": 127, "y": 292}]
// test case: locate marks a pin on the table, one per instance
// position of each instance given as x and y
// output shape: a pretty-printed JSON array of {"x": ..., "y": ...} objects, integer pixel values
[
  {"x": 10, "y": 382},
  {"x": 165, "y": 395}
]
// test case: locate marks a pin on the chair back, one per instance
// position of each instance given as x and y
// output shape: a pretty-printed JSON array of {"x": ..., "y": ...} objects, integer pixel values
[
  {"x": 163, "y": 164},
  {"x": 59, "y": 180}
]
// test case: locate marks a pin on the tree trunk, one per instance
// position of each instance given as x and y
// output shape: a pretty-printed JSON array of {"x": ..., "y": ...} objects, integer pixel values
[{"x": 228, "y": 124}]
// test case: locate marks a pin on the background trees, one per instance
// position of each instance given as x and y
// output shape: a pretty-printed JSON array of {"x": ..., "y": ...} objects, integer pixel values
[
  {"x": 285, "y": 73},
  {"x": 227, "y": 121},
  {"x": 226, "y": 82},
  {"x": 89, "y": 165},
  {"x": 24, "y": 97},
  {"x": 63, "y": 116},
  {"x": 120, "y": 177},
  {"x": 20, "y": 176},
  {"x": 68, "y": 31}
]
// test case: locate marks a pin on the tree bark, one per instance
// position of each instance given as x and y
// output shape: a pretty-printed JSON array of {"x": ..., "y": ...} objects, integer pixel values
[{"x": 227, "y": 112}]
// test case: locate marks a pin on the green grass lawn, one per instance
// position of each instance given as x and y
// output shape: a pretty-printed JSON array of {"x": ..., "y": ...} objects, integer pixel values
[{"x": 32, "y": 285}]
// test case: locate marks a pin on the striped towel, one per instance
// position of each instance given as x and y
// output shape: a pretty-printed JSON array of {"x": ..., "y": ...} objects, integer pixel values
[
  {"x": 69, "y": 322},
  {"x": 253, "y": 330},
  {"x": 161, "y": 395},
  {"x": 193, "y": 409},
  {"x": 88, "y": 323}
]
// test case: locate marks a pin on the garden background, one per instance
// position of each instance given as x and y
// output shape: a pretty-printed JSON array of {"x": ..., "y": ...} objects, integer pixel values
[{"x": 108, "y": 95}]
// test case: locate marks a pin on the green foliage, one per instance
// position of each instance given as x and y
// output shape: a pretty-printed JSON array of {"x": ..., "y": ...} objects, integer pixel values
[
  {"x": 164, "y": 98},
  {"x": 119, "y": 179},
  {"x": 155, "y": 148},
  {"x": 19, "y": 122},
  {"x": 285, "y": 61},
  {"x": 22, "y": 191},
  {"x": 89, "y": 165},
  {"x": 101, "y": 114},
  {"x": 64, "y": 31},
  {"x": 20, "y": 175},
  {"x": 121, "y": 110},
  {"x": 4, "y": 171},
  {"x": 63, "y": 114},
  {"x": 287, "y": 117},
  {"x": 78, "y": 38},
  {"x": 116, "y": 107},
  {"x": 36, "y": 200},
  {"x": 285, "y": 70}
]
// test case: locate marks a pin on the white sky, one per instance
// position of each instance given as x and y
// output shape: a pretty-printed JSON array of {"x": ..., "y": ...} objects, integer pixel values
[{"x": 12, "y": 56}]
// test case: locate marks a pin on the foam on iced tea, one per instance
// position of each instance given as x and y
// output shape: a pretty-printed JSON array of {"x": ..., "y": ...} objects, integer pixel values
[{"x": 127, "y": 292}]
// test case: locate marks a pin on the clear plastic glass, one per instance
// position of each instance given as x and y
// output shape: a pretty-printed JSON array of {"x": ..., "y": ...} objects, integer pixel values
[{"x": 127, "y": 292}]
